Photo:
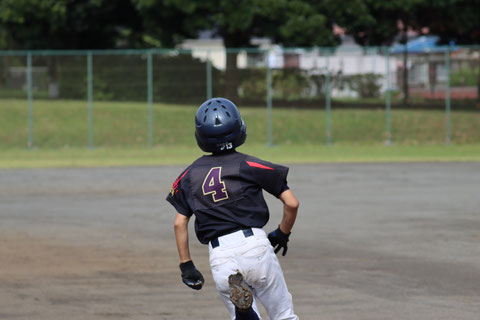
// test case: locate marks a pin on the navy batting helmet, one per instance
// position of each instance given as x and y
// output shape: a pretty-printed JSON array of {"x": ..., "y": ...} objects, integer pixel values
[{"x": 219, "y": 126}]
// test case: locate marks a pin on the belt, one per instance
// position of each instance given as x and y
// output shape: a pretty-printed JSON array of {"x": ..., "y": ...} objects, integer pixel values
[{"x": 246, "y": 232}]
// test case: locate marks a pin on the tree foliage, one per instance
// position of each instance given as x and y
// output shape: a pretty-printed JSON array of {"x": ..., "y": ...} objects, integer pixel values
[
  {"x": 452, "y": 20},
  {"x": 79, "y": 24},
  {"x": 374, "y": 23},
  {"x": 292, "y": 23},
  {"x": 69, "y": 24}
]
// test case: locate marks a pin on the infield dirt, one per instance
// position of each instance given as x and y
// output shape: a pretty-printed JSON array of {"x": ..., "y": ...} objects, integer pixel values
[{"x": 372, "y": 241}]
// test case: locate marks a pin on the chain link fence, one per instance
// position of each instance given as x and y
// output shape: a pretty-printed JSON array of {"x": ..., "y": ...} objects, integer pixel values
[{"x": 356, "y": 94}]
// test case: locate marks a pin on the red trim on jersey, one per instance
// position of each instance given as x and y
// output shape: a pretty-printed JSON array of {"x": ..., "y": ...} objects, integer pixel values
[
  {"x": 175, "y": 184},
  {"x": 258, "y": 165}
]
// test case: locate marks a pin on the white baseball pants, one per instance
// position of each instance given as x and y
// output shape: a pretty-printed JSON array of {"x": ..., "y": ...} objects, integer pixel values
[{"x": 255, "y": 259}]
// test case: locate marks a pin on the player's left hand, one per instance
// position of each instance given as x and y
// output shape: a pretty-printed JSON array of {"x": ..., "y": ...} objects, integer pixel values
[
  {"x": 279, "y": 240},
  {"x": 191, "y": 276}
]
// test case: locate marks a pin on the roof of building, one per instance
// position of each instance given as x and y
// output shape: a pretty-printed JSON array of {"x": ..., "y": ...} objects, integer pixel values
[{"x": 423, "y": 44}]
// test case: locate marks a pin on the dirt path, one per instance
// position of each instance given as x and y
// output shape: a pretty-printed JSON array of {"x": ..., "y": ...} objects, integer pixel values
[{"x": 373, "y": 241}]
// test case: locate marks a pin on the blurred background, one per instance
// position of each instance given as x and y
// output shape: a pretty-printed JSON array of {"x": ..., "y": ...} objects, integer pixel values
[{"x": 131, "y": 72}]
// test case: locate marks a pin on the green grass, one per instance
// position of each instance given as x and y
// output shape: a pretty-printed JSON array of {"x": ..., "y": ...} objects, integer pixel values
[
  {"x": 120, "y": 137},
  {"x": 182, "y": 155}
]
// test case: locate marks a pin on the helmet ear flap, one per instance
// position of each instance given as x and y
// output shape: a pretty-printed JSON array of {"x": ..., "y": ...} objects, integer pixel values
[
  {"x": 242, "y": 136},
  {"x": 200, "y": 142}
]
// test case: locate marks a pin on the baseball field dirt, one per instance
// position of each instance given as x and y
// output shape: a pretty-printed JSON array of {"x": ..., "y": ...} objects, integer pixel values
[{"x": 372, "y": 241}]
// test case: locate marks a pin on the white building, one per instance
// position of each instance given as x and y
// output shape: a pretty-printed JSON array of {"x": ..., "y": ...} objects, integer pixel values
[{"x": 346, "y": 59}]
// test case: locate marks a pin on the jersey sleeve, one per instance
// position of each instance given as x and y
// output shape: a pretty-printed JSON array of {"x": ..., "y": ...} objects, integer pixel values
[
  {"x": 178, "y": 195},
  {"x": 269, "y": 176}
]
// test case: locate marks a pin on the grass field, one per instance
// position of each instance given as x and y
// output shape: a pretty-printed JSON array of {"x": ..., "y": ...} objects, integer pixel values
[
  {"x": 182, "y": 155},
  {"x": 120, "y": 135}
]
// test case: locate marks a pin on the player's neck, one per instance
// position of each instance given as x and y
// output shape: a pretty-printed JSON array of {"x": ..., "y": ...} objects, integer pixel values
[{"x": 221, "y": 153}]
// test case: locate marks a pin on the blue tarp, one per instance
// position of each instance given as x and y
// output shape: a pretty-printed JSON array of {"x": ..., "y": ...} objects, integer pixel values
[{"x": 423, "y": 44}]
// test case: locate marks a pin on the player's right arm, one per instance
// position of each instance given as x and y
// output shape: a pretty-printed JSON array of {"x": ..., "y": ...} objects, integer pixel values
[
  {"x": 181, "y": 236},
  {"x": 190, "y": 275},
  {"x": 178, "y": 198}
]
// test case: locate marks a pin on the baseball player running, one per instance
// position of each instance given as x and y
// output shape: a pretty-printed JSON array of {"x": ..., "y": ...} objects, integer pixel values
[{"x": 224, "y": 192}]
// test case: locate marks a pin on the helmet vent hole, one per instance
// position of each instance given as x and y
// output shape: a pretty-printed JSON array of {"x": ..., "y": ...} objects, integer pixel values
[
  {"x": 217, "y": 121},
  {"x": 214, "y": 109},
  {"x": 228, "y": 114},
  {"x": 209, "y": 104},
  {"x": 219, "y": 101},
  {"x": 204, "y": 118},
  {"x": 206, "y": 110},
  {"x": 224, "y": 107}
]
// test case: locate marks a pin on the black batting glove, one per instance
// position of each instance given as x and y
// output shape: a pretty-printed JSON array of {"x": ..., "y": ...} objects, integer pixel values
[
  {"x": 191, "y": 276},
  {"x": 279, "y": 240}
]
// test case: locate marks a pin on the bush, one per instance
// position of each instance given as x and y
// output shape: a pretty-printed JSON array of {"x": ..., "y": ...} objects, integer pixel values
[
  {"x": 366, "y": 85},
  {"x": 465, "y": 77},
  {"x": 290, "y": 84},
  {"x": 253, "y": 84},
  {"x": 287, "y": 84},
  {"x": 179, "y": 78},
  {"x": 182, "y": 78}
]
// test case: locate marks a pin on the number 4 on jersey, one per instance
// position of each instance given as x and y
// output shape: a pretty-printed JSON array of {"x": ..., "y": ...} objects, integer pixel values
[{"x": 214, "y": 185}]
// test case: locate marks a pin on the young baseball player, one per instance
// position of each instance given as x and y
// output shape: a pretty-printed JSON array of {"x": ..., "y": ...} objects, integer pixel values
[{"x": 224, "y": 192}]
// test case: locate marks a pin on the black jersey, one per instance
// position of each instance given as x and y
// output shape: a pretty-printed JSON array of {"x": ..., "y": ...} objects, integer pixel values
[{"x": 224, "y": 192}]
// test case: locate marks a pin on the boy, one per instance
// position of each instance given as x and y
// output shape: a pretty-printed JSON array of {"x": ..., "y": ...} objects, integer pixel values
[{"x": 224, "y": 192}]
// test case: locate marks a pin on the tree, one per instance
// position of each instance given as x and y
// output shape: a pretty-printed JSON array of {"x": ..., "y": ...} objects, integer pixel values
[
  {"x": 455, "y": 20},
  {"x": 452, "y": 20},
  {"x": 97, "y": 24},
  {"x": 291, "y": 23},
  {"x": 69, "y": 24},
  {"x": 168, "y": 22},
  {"x": 379, "y": 23}
]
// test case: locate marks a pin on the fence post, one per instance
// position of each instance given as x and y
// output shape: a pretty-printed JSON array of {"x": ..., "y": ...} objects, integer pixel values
[
  {"x": 150, "y": 97},
  {"x": 269, "y": 100},
  {"x": 447, "y": 96},
  {"x": 374, "y": 60},
  {"x": 388, "y": 140},
  {"x": 327, "y": 100},
  {"x": 90, "y": 99},
  {"x": 209, "y": 76},
  {"x": 30, "y": 100}
]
